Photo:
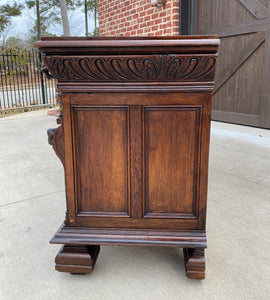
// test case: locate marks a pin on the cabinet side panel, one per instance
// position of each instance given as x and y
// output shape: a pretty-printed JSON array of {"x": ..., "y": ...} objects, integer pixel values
[
  {"x": 102, "y": 152},
  {"x": 171, "y": 147}
]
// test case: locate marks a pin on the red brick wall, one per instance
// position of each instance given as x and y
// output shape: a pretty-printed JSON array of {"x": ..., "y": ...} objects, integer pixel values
[{"x": 138, "y": 18}]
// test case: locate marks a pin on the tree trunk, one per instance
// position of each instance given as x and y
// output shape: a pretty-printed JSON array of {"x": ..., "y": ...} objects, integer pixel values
[
  {"x": 95, "y": 21},
  {"x": 64, "y": 16},
  {"x": 38, "y": 21},
  {"x": 86, "y": 18}
]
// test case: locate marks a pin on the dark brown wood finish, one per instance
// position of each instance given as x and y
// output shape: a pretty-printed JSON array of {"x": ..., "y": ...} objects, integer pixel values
[
  {"x": 134, "y": 141},
  {"x": 194, "y": 263},
  {"x": 242, "y": 90},
  {"x": 172, "y": 195},
  {"x": 77, "y": 259},
  {"x": 102, "y": 144}
]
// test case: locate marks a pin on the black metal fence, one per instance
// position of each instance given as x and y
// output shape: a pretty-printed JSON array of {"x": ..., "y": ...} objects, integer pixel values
[{"x": 21, "y": 82}]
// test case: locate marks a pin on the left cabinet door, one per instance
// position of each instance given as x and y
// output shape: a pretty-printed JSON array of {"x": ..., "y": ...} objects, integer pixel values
[{"x": 101, "y": 160}]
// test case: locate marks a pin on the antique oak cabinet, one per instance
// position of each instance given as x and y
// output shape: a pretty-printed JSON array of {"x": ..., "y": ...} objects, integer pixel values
[{"x": 134, "y": 142}]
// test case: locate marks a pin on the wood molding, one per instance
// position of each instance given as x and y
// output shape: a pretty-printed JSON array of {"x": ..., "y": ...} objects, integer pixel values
[
  {"x": 255, "y": 7},
  {"x": 132, "y": 87},
  {"x": 131, "y": 45},
  {"x": 194, "y": 263},
  {"x": 120, "y": 236},
  {"x": 136, "y": 189},
  {"x": 69, "y": 166},
  {"x": 161, "y": 67},
  {"x": 171, "y": 215},
  {"x": 77, "y": 259}
]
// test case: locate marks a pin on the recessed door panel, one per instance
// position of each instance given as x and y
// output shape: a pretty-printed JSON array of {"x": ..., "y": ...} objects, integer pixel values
[
  {"x": 102, "y": 160},
  {"x": 171, "y": 141}
]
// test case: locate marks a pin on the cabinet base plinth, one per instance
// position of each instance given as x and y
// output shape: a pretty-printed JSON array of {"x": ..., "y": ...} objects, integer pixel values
[
  {"x": 130, "y": 237},
  {"x": 194, "y": 263},
  {"x": 77, "y": 259},
  {"x": 82, "y": 246}
]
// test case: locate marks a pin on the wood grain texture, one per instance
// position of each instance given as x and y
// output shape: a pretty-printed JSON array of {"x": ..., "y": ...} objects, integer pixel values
[
  {"x": 174, "y": 221},
  {"x": 77, "y": 259},
  {"x": 194, "y": 263},
  {"x": 171, "y": 147},
  {"x": 238, "y": 59},
  {"x": 239, "y": 29},
  {"x": 131, "y": 45},
  {"x": 140, "y": 237},
  {"x": 102, "y": 144},
  {"x": 70, "y": 175},
  {"x": 241, "y": 85},
  {"x": 136, "y": 120},
  {"x": 215, "y": 15},
  {"x": 136, "y": 186},
  {"x": 255, "y": 7}
]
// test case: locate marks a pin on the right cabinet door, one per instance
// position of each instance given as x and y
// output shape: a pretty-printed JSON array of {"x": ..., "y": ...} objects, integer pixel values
[{"x": 172, "y": 140}]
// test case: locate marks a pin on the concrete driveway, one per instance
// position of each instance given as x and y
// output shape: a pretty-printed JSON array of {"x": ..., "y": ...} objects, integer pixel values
[{"x": 32, "y": 206}]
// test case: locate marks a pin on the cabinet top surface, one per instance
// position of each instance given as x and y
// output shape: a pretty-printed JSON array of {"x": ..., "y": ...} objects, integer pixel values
[{"x": 196, "y": 44}]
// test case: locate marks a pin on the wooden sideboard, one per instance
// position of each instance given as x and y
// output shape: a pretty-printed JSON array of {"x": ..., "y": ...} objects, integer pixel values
[{"x": 134, "y": 142}]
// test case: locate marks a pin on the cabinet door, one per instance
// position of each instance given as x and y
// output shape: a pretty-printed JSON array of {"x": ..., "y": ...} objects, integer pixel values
[
  {"x": 134, "y": 166},
  {"x": 101, "y": 156},
  {"x": 171, "y": 151}
]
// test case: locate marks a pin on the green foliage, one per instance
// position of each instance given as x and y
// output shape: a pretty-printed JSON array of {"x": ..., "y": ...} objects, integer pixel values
[
  {"x": 92, "y": 7},
  {"x": 47, "y": 13},
  {"x": 95, "y": 32},
  {"x": 91, "y": 4},
  {"x": 4, "y": 21},
  {"x": 43, "y": 30},
  {"x": 14, "y": 61},
  {"x": 14, "y": 42},
  {"x": 7, "y": 11},
  {"x": 48, "y": 10},
  {"x": 11, "y": 10}
]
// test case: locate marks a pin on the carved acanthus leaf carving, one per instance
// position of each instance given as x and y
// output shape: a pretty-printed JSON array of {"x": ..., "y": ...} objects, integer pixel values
[{"x": 132, "y": 68}]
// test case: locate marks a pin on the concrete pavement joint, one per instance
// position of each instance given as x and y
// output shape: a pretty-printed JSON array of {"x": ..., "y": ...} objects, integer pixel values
[
  {"x": 240, "y": 177},
  {"x": 27, "y": 199}
]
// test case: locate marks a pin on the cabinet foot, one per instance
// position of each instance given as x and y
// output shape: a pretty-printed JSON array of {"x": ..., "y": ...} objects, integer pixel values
[
  {"x": 77, "y": 259},
  {"x": 194, "y": 263}
]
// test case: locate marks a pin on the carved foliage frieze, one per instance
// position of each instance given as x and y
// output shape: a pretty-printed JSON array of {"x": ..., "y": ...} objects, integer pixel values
[{"x": 161, "y": 67}]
